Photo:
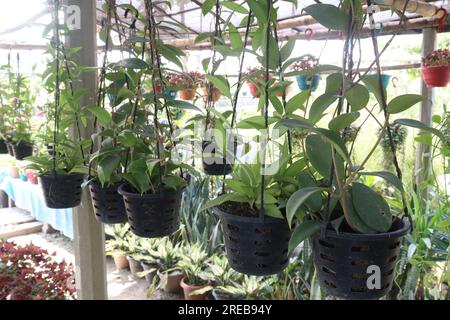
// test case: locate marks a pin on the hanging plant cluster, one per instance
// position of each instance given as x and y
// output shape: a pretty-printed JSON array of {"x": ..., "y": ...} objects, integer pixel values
[{"x": 436, "y": 68}]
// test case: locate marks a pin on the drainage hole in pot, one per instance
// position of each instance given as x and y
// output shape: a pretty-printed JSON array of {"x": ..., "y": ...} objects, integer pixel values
[
  {"x": 262, "y": 254},
  {"x": 359, "y": 289},
  {"x": 236, "y": 262},
  {"x": 329, "y": 271},
  {"x": 130, "y": 217},
  {"x": 330, "y": 284},
  {"x": 359, "y": 276},
  {"x": 262, "y": 230},
  {"x": 234, "y": 251},
  {"x": 261, "y": 265},
  {"x": 326, "y": 258},
  {"x": 394, "y": 245},
  {"x": 262, "y": 242},
  {"x": 232, "y": 227},
  {"x": 361, "y": 263},
  {"x": 233, "y": 239},
  {"x": 98, "y": 214},
  {"x": 96, "y": 207},
  {"x": 388, "y": 273},
  {"x": 94, "y": 198},
  {"x": 360, "y": 249},
  {"x": 326, "y": 244}
]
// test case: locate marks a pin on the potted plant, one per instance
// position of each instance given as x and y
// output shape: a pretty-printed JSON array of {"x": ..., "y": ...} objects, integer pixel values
[
  {"x": 187, "y": 83},
  {"x": 246, "y": 288},
  {"x": 117, "y": 246},
  {"x": 210, "y": 92},
  {"x": 149, "y": 265},
  {"x": 133, "y": 254},
  {"x": 255, "y": 81},
  {"x": 309, "y": 79},
  {"x": 171, "y": 81},
  {"x": 436, "y": 68},
  {"x": 194, "y": 264}
]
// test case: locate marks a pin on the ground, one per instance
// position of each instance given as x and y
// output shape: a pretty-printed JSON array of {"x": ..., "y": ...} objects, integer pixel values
[{"x": 121, "y": 284}]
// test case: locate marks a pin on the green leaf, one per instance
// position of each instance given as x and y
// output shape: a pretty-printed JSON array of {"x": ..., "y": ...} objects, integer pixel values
[
  {"x": 286, "y": 50},
  {"x": 203, "y": 37},
  {"x": 207, "y": 6},
  {"x": 343, "y": 121},
  {"x": 314, "y": 203},
  {"x": 297, "y": 199},
  {"x": 297, "y": 102},
  {"x": 236, "y": 7},
  {"x": 277, "y": 105},
  {"x": 334, "y": 84},
  {"x": 134, "y": 63},
  {"x": 328, "y": 15},
  {"x": 386, "y": 175},
  {"x": 103, "y": 116},
  {"x": 235, "y": 37},
  {"x": 106, "y": 167},
  {"x": 255, "y": 122},
  {"x": 358, "y": 96},
  {"x": 220, "y": 83},
  {"x": 403, "y": 102},
  {"x": 318, "y": 153},
  {"x": 234, "y": 197},
  {"x": 183, "y": 105},
  {"x": 372, "y": 83},
  {"x": 420, "y": 125},
  {"x": 320, "y": 105},
  {"x": 302, "y": 232},
  {"x": 353, "y": 218},
  {"x": 371, "y": 207}
]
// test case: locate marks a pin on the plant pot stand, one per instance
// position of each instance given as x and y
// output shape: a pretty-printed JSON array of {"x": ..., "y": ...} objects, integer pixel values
[
  {"x": 255, "y": 247},
  {"x": 108, "y": 204},
  {"x": 62, "y": 191},
  {"x": 344, "y": 261},
  {"x": 152, "y": 215}
]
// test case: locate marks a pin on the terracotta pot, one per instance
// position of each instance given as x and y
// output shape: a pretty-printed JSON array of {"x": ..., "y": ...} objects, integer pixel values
[
  {"x": 253, "y": 89},
  {"x": 121, "y": 262},
  {"x": 215, "y": 94},
  {"x": 14, "y": 172},
  {"x": 188, "y": 289},
  {"x": 436, "y": 76},
  {"x": 187, "y": 94},
  {"x": 173, "y": 282}
]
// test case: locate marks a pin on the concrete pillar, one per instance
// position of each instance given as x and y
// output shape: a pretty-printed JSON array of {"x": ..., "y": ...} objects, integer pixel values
[
  {"x": 89, "y": 237},
  {"x": 423, "y": 157}
]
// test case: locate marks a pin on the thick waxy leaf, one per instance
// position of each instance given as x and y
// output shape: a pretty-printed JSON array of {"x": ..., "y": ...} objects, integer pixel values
[
  {"x": 220, "y": 83},
  {"x": 328, "y": 15},
  {"x": 353, "y": 218},
  {"x": 334, "y": 83},
  {"x": 106, "y": 168},
  {"x": 372, "y": 83},
  {"x": 297, "y": 102},
  {"x": 403, "y": 102},
  {"x": 386, "y": 175},
  {"x": 420, "y": 125},
  {"x": 343, "y": 121},
  {"x": 318, "y": 153},
  {"x": 298, "y": 199},
  {"x": 302, "y": 232},
  {"x": 371, "y": 207},
  {"x": 320, "y": 105},
  {"x": 358, "y": 97},
  {"x": 314, "y": 202}
]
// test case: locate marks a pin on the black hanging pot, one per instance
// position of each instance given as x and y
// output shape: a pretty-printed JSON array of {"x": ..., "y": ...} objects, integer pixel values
[
  {"x": 3, "y": 147},
  {"x": 255, "y": 246},
  {"x": 152, "y": 215},
  {"x": 22, "y": 150},
  {"x": 62, "y": 191},
  {"x": 345, "y": 261},
  {"x": 108, "y": 203},
  {"x": 216, "y": 165}
]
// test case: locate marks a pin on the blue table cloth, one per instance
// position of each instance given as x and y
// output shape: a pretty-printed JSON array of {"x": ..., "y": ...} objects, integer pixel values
[{"x": 29, "y": 197}]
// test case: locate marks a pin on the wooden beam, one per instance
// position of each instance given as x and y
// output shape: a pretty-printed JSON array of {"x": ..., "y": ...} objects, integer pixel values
[
  {"x": 89, "y": 237},
  {"x": 423, "y": 158}
]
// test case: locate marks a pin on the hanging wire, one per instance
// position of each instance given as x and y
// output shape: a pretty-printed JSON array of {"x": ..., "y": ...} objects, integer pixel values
[
  {"x": 265, "y": 111},
  {"x": 57, "y": 85}
]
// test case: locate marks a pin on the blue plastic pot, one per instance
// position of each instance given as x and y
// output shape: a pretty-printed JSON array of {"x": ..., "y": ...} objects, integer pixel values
[
  {"x": 385, "y": 79},
  {"x": 308, "y": 82},
  {"x": 23, "y": 177},
  {"x": 170, "y": 94}
]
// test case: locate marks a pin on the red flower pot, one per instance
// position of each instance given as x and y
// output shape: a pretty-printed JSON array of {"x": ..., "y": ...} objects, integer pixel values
[
  {"x": 253, "y": 89},
  {"x": 215, "y": 94},
  {"x": 187, "y": 94},
  {"x": 436, "y": 76}
]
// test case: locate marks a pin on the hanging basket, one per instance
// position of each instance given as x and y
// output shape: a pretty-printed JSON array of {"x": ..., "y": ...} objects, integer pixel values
[
  {"x": 216, "y": 165},
  {"x": 108, "y": 203},
  {"x": 343, "y": 261},
  {"x": 253, "y": 246},
  {"x": 187, "y": 94},
  {"x": 436, "y": 76},
  {"x": 308, "y": 82},
  {"x": 62, "y": 191},
  {"x": 22, "y": 150},
  {"x": 215, "y": 94},
  {"x": 3, "y": 147},
  {"x": 152, "y": 215}
]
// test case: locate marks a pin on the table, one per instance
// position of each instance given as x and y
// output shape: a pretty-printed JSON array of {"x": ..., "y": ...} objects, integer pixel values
[{"x": 29, "y": 197}]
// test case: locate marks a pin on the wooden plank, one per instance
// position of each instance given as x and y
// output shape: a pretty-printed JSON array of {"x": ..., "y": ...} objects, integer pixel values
[{"x": 21, "y": 229}]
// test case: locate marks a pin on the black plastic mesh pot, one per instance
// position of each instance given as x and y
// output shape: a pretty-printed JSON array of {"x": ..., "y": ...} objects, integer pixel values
[
  {"x": 3, "y": 147},
  {"x": 108, "y": 203},
  {"x": 22, "y": 150},
  {"x": 152, "y": 215},
  {"x": 253, "y": 246},
  {"x": 215, "y": 165},
  {"x": 342, "y": 261},
  {"x": 62, "y": 191}
]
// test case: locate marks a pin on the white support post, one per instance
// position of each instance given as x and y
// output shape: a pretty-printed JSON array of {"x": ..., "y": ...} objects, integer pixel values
[
  {"x": 89, "y": 237},
  {"x": 423, "y": 157}
]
